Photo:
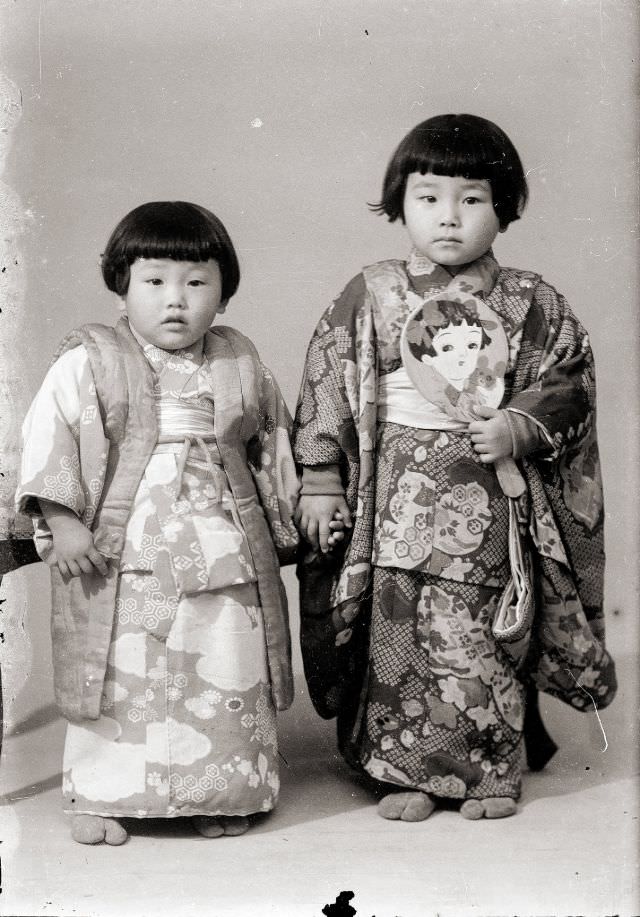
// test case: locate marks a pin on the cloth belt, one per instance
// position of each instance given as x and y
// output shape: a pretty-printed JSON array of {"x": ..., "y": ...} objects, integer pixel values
[
  {"x": 184, "y": 426},
  {"x": 399, "y": 401}
]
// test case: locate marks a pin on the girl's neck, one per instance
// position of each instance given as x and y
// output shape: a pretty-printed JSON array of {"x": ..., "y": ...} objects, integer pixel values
[{"x": 420, "y": 264}]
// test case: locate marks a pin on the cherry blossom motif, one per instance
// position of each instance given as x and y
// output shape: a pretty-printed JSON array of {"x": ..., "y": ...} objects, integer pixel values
[
  {"x": 482, "y": 716},
  {"x": 451, "y": 692}
]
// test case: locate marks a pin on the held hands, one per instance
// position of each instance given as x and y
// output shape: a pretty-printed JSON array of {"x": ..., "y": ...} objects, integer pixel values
[
  {"x": 73, "y": 545},
  {"x": 491, "y": 436},
  {"x": 322, "y": 520}
]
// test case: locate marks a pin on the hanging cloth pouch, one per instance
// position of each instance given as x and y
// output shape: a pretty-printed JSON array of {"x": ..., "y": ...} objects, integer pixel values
[{"x": 516, "y": 608}]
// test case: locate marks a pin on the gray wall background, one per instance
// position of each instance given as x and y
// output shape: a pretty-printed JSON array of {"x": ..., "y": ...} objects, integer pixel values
[{"x": 281, "y": 117}]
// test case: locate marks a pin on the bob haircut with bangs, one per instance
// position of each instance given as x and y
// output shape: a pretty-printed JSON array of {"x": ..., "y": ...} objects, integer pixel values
[
  {"x": 169, "y": 229},
  {"x": 453, "y": 145}
]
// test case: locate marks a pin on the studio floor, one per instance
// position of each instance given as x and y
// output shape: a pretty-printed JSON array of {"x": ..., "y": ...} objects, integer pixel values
[{"x": 571, "y": 849}]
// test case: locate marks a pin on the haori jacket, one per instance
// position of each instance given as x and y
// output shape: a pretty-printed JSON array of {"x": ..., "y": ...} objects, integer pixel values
[{"x": 96, "y": 468}]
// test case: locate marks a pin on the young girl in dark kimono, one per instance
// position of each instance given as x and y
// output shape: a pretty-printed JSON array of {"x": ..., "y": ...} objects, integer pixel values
[{"x": 447, "y": 413}]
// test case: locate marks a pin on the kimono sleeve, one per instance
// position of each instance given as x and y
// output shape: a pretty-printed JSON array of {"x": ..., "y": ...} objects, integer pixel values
[
  {"x": 64, "y": 447},
  {"x": 324, "y": 430},
  {"x": 560, "y": 398},
  {"x": 273, "y": 468}
]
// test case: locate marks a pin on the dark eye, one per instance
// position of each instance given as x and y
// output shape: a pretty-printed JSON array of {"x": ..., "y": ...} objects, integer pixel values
[
  {"x": 155, "y": 281},
  {"x": 196, "y": 283},
  {"x": 429, "y": 198},
  {"x": 447, "y": 348},
  {"x": 472, "y": 346}
]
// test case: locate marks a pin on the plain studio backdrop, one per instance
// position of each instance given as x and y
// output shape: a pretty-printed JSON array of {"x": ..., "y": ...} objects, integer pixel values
[{"x": 281, "y": 117}]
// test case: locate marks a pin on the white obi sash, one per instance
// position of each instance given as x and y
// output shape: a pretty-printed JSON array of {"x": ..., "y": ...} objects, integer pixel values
[
  {"x": 180, "y": 419},
  {"x": 400, "y": 402}
]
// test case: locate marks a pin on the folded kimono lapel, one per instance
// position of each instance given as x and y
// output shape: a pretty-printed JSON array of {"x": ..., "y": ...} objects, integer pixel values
[{"x": 233, "y": 361}]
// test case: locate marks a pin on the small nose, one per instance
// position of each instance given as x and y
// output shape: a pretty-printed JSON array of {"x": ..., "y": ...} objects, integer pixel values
[
  {"x": 175, "y": 296},
  {"x": 449, "y": 215}
]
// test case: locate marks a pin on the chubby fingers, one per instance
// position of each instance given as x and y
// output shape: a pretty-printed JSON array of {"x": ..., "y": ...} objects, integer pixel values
[
  {"x": 64, "y": 569},
  {"x": 98, "y": 561},
  {"x": 482, "y": 441},
  {"x": 485, "y": 454},
  {"x": 343, "y": 513},
  {"x": 90, "y": 562},
  {"x": 484, "y": 411},
  {"x": 323, "y": 533},
  {"x": 484, "y": 446},
  {"x": 331, "y": 528},
  {"x": 336, "y": 526},
  {"x": 309, "y": 528},
  {"x": 478, "y": 428}
]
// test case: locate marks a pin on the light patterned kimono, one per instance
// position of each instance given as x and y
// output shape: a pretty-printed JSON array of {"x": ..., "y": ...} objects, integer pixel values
[{"x": 187, "y": 722}]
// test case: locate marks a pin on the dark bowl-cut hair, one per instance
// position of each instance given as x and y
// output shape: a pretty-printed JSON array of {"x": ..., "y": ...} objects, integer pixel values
[
  {"x": 169, "y": 229},
  {"x": 464, "y": 145}
]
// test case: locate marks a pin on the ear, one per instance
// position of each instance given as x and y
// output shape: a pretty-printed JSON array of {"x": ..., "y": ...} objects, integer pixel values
[
  {"x": 503, "y": 228},
  {"x": 122, "y": 304},
  {"x": 222, "y": 308}
]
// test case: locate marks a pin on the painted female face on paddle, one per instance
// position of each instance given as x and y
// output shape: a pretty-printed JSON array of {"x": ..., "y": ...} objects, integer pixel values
[{"x": 455, "y": 352}]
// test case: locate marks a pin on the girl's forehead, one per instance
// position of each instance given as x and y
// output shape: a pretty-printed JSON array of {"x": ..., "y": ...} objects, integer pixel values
[
  {"x": 432, "y": 180},
  {"x": 172, "y": 263}
]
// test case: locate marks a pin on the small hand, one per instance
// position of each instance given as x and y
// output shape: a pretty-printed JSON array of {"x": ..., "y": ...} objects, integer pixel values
[
  {"x": 337, "y": 526},
  {"x": 75, "y": 552},
  {"x": 491, "y": 436},
  {"x": 321, "y": 519}
]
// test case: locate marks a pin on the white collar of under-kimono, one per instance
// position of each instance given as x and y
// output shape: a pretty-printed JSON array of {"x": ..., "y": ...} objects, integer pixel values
[
  {"x": 477, "y": 277},
  {"x": 157, "y": 355}
]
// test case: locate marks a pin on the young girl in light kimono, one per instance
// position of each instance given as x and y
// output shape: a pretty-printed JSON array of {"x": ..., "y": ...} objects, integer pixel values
[
  {"x": 447, "y": 413},
  {"x": 158, "y": 469}
]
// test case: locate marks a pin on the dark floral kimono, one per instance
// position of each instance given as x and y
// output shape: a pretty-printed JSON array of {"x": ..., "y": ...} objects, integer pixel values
[{"x": 399, "y": 633}]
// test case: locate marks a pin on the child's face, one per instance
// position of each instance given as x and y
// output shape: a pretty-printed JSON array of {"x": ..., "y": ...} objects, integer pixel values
[
  {"x": 450, "y": 219},
  {"x": 457, "y": 349},
  {"x": 171, "y": 304}
]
